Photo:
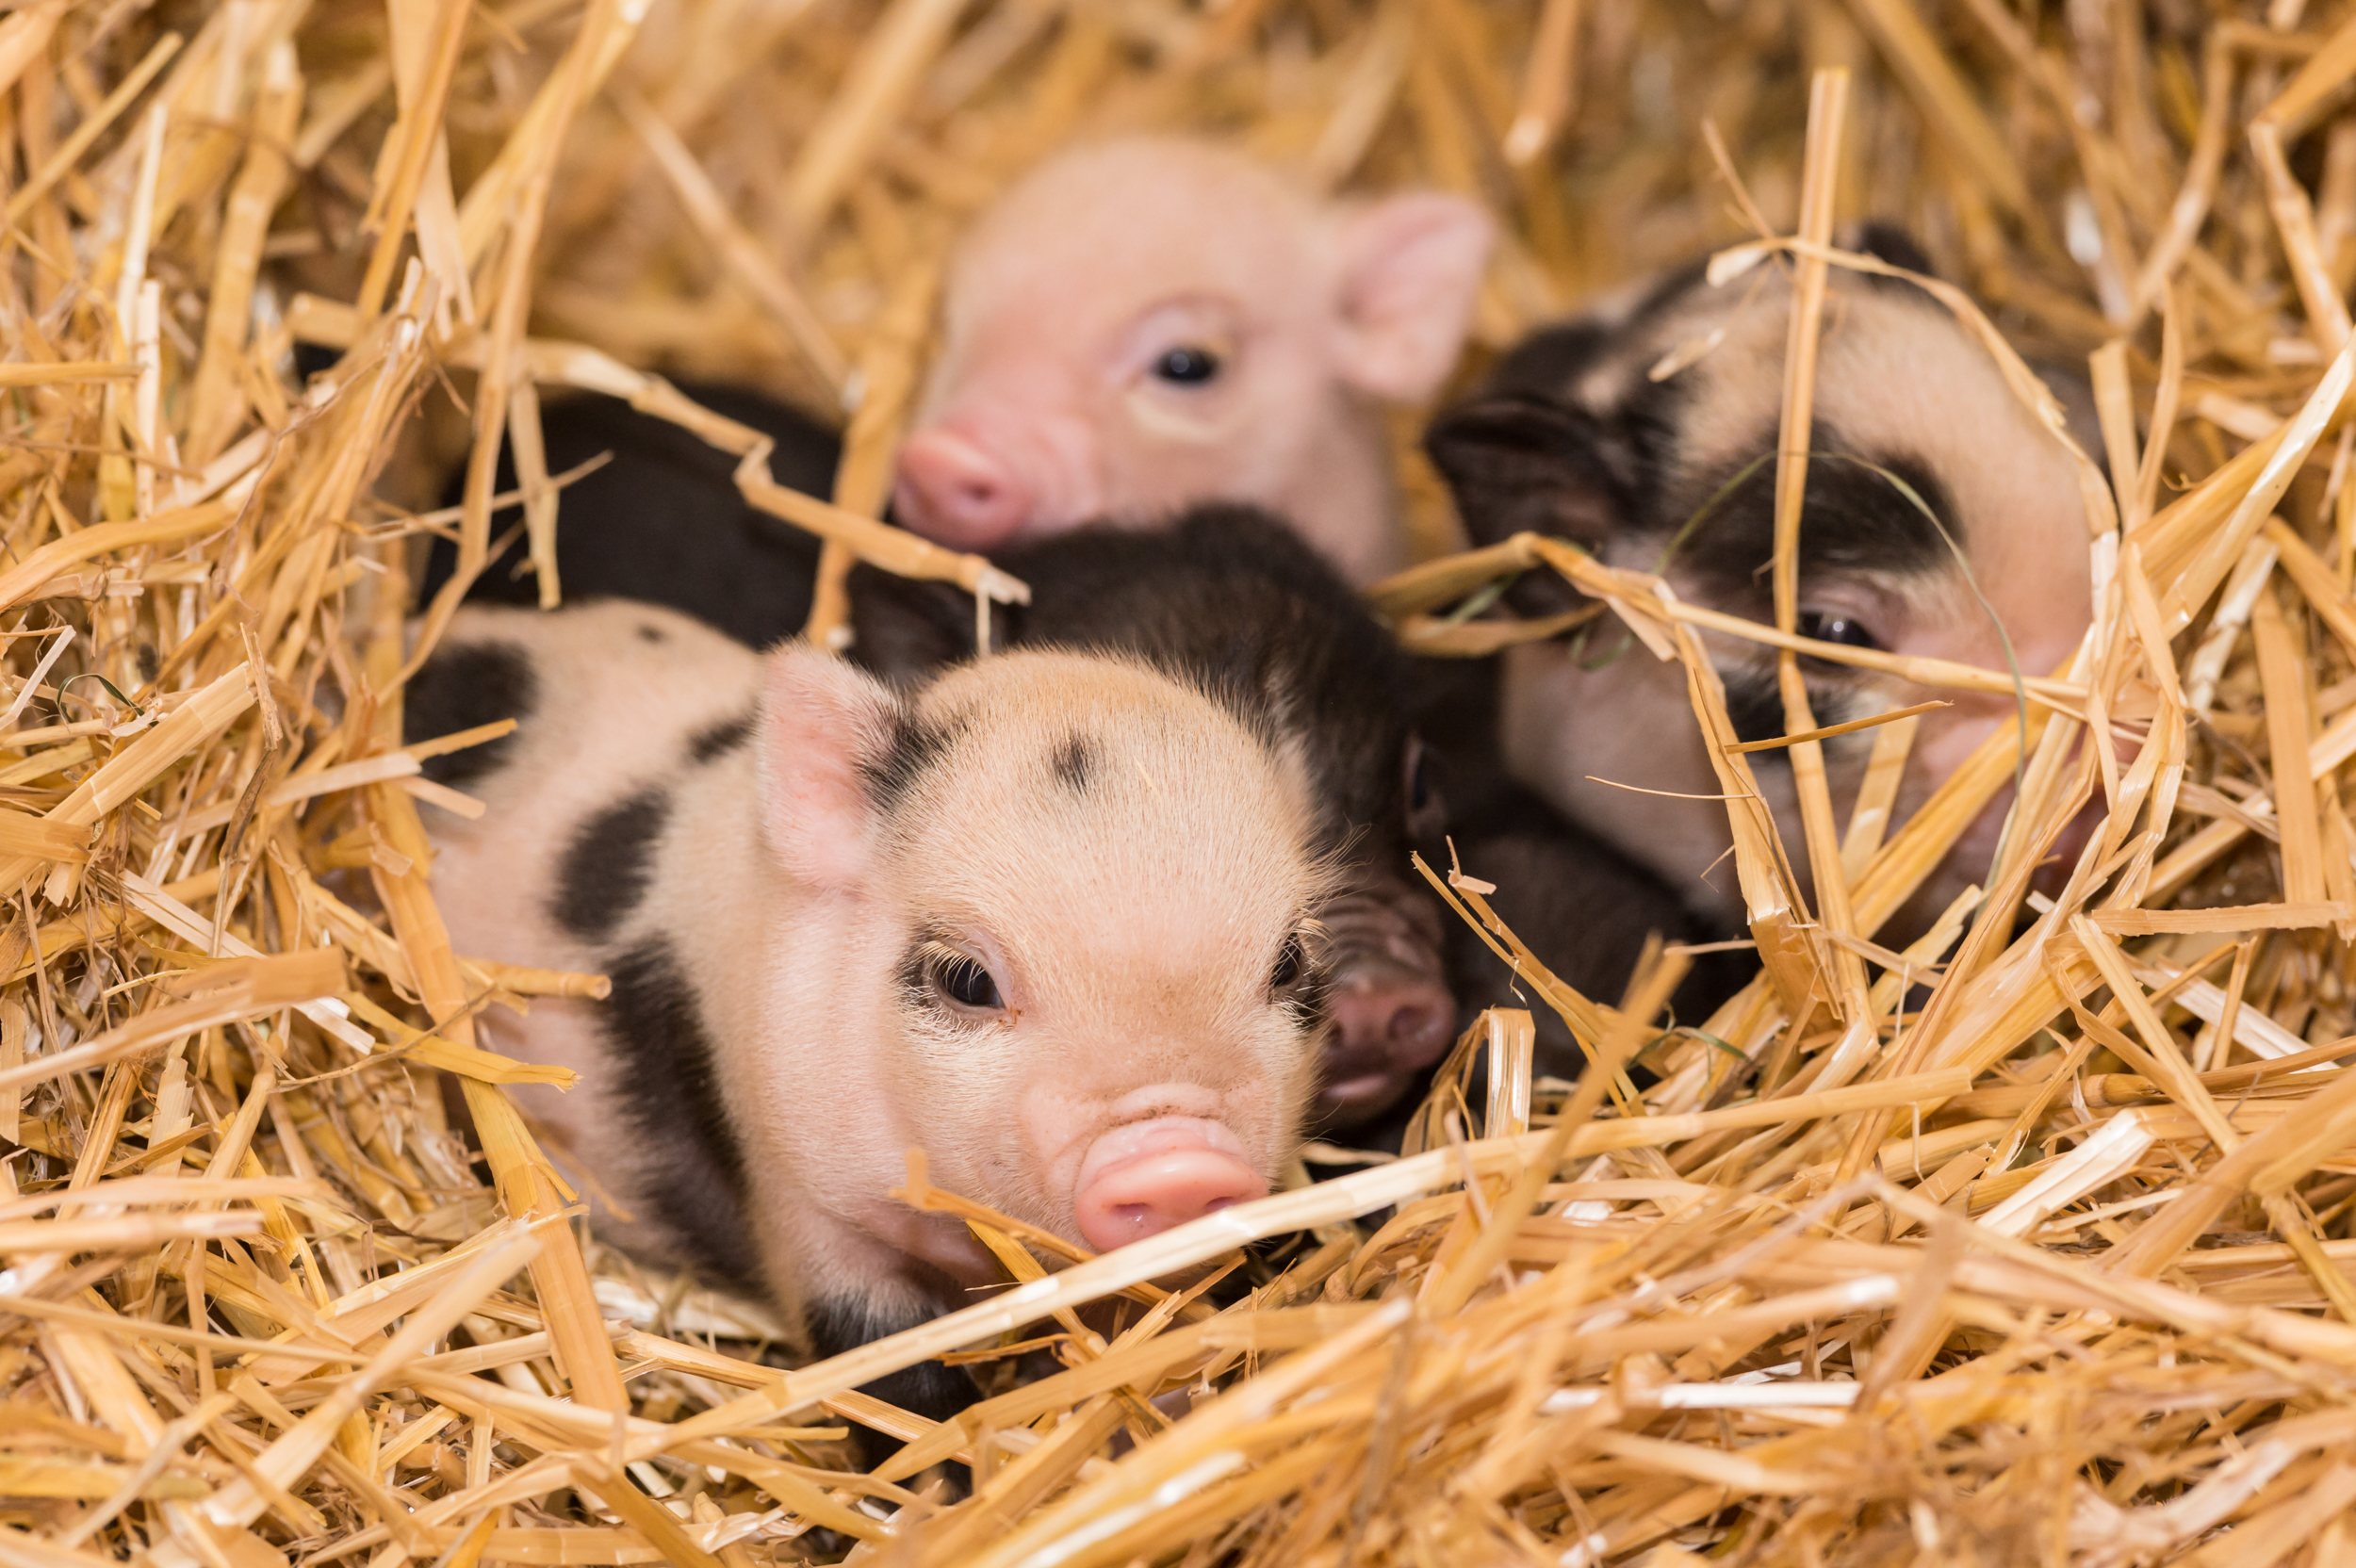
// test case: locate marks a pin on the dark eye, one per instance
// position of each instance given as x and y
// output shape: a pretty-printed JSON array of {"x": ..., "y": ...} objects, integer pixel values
[
  {"x": 1832, "y": 627},
  {"x": 965, "y": 981},
  {"x": 1290, "y": 962},
  {"x": 1186, "y": 365}
]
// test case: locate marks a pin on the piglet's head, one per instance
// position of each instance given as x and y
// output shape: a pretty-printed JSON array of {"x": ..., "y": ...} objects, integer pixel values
[
  {"x": 1942, "y": 518},
  {"x": 1155, "y": 321},
  {"x": 1080, "y": 891}
]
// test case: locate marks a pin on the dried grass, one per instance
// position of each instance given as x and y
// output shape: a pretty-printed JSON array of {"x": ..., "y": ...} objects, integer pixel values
[{"x": 2037, "y": 1248}]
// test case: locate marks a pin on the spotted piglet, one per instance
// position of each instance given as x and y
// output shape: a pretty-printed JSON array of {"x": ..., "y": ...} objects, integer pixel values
[
  {"x": 1942, "y": 518},
  {"x": 1044, "y": 916}
]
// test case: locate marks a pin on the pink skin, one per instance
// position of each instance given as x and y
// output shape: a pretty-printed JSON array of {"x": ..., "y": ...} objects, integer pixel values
[
  {"x": 1134, "y": 1064},
  {"x": 1046, "y": 410},
  {"x": 1146, "y": 1177}
]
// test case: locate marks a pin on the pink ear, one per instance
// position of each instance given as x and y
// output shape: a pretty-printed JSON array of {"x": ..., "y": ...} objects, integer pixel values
[
  {"x": 1410, "y": 267},
  {"x": 827, "y": 732}
]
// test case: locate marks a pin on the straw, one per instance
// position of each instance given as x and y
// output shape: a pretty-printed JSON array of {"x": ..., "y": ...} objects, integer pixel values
[{"x": 2016, "y": 1230}]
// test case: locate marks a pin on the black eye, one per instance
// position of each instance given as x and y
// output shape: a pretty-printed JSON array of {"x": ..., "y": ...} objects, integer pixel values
[
  {"x": 1831, "y": 626},
  {"x": 1186, "y": 365},
  {"x": 965, "y": 981},
  {"x": 1289, "y": 961}
]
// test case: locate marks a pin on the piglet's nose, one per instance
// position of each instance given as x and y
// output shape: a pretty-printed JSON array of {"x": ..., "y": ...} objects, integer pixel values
[
  {"x": 955, "y": 492},
  {"x": 1401, "y": 1021},
  {"x": 1153, "y": 1176}
]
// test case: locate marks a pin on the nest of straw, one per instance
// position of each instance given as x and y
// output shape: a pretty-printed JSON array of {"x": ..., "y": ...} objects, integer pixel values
[{"x": 2030, "y": 1243}]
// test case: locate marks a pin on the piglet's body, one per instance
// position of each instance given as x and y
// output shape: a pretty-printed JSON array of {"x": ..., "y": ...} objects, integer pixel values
[
  {"x": 1941, "y": 519},
  {"x": 1155, "y": 321},
  {"x": 1044, "y": 918}
]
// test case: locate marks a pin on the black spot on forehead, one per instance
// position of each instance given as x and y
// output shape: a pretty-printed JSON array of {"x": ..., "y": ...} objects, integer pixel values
[
  {"x": 608, "y": 865},
  {"x": 915, "y": 746},
  {"x": 649, "y": 632},
  {"x": 717, "y": 741},
  {"x": 671, "y": 1097},
  {"x": 461, "y": 687},
  {"x": 1075, "y": 762},
  {"x": 1859, "y": 519}
]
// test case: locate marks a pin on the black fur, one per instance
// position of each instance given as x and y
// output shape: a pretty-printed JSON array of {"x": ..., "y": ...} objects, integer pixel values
[
  {"x": 664, "y": 522},
  {"x": 1230, "y": 599},
  {"x": 937, "y": 1392},
  {"x": 459, "y": 687},
  {"x": 606, "y": 868},
  {"x": 1853, "y": 523},
  {"x": 669, "y": 1088},
  {"x": 915, "y": 747},
  {"x": 720, "y": 739},
  {"x": 1074, "y": 761}
]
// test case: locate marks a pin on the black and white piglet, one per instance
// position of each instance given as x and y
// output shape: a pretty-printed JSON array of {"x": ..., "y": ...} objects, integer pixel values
[
  {"x": 1046, "y": 915},
  {"x": 1610, "y": 432}
]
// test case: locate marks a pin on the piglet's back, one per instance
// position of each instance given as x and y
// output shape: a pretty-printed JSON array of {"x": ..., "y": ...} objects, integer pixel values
[{"x": 609, "y": 699}]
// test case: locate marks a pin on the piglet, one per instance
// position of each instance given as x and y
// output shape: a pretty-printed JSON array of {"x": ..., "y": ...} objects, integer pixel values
[
  {"x": 1228, "y": 598},
  {"x": 1045, "y": 916},
  {"x": 1155, "y": 321},
  {"x": 1647, "y": 433}
]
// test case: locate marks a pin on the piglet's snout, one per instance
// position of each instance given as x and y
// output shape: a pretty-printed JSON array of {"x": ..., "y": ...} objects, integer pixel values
[
  {"x": 1387, "y": 1026},
  {"x": 1148, "y": 1177},
  {"x": 956, "y": 492}
]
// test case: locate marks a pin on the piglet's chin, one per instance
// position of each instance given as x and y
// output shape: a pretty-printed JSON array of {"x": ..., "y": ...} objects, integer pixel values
[{"x": 1149, "y": 1177}]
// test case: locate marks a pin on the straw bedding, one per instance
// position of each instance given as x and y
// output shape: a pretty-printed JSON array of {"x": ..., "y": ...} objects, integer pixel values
[{"x": 2030, "y": 1244}]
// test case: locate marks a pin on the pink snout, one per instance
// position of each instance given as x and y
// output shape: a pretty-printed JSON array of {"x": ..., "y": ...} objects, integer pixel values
[
  {"x": 956, "y": 493},
  {"x": 1386, "y": 1029},
  {"x": 1153, "y": 1176}
]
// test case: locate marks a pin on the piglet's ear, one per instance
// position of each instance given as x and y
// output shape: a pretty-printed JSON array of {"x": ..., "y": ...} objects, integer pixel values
[
  {"x": 827, "y": 729},
  {"x": 1410, "y": 267},
  {"x": 1518, "y": 463}
]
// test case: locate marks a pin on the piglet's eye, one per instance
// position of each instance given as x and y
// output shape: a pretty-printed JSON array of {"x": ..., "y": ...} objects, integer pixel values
[
  {"x": 1188, "y": 365},
  {"x": 965, "y": 981},
  {"x": 1832, "y": 627},
  {"x": 1289, "y": 963}
]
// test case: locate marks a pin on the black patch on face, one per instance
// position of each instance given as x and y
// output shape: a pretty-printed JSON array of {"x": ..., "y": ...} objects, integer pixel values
[
  {"x": 459, "y": 687},
  {"x": 668, "y": 1088},
  {"x": 649, "y": 632},
  {"x": 915, "y": 746},
  {"x": 720, "y": 739},
  {"x": 606, "y": 868},
  {"x": 840, "y": 1323},
  {"x": 1855, "y": 522},
  {"x": 1075, "y": 762},
  {"x": 1755, "y": 707}
]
